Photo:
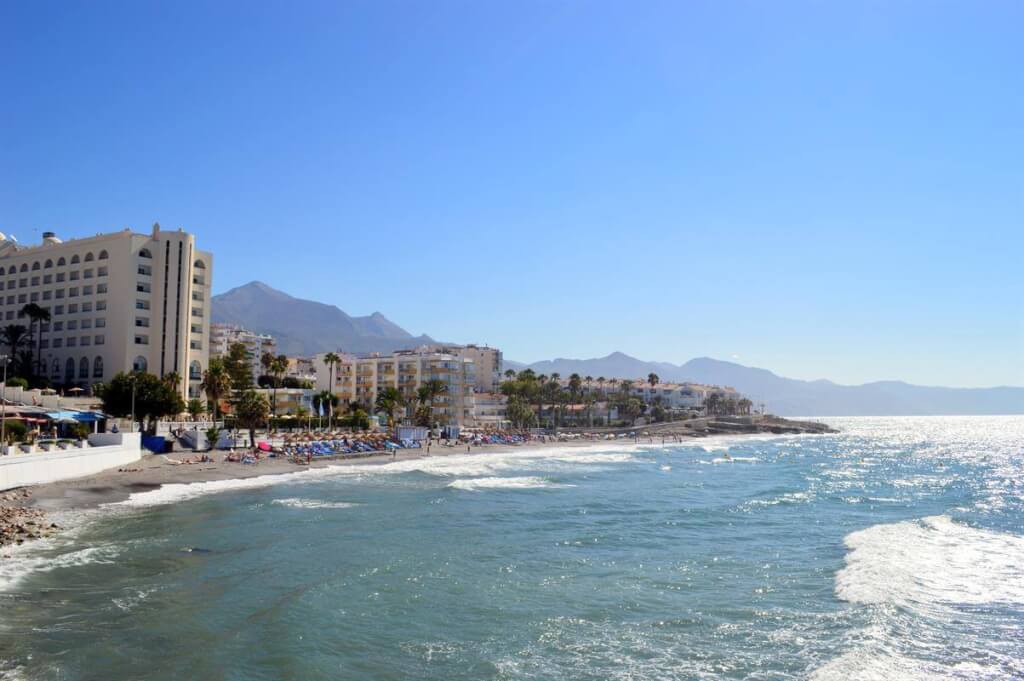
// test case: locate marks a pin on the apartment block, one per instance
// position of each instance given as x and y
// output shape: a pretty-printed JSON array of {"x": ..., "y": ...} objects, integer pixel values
[
  {"x": 223, "y": 336},
  {"x": 118, "y": 302}
]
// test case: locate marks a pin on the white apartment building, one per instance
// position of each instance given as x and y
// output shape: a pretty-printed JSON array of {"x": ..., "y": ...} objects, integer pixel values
[
  {"x": 487, "y": 361},
  {"x": 117, "y": 302},
  {"x": 223, "y": 336},
  {"x": 359, "y": 379}
]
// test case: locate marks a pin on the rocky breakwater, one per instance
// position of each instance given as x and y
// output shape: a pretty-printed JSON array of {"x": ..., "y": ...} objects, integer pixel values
[{"x": 18, "y": 523}]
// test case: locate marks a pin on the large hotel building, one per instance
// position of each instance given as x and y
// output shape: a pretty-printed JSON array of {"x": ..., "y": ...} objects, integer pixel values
[{"x": 117, "y": 302}]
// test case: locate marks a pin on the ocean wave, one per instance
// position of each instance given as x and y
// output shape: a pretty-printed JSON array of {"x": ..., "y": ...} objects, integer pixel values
[
  {"x": 526, "y": 482},
  {"x": 933, "y": 560},
  {"x": 312, "y": 503},
  {"x": 43, "y": 556}
]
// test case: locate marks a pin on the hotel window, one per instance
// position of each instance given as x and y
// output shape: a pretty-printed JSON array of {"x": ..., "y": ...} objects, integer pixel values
[
  {"x": 1, "y": 286},
  {"x": 87, "y": 290},
  {"x": 58, "y": 343},
  {"x": 59, "y": 293},
  {"x": 145, "y": 270},
  {"x": 98, "y": 340},
  {"x": 101, "y": 305},
  {"x": 72, "y": 342},
  {"x": 73, "y": 292},
  {"x": 196, "y": 295},
  {"x": 85, "y": 340},
  {"x": 197, "y": 328},
  {"x": 86, "y": 323},
  {"x": 22, "y": 298},
  {"x": 101, "y": 272},
  {"x": 141, "y": 304},
  {"x": 144, "y": 253},
  {"x": 97, "y": 367},
  {"x": 142, "y": 340},
  {"x": 197, "y": 312},
  {"x": 101, "y": 288},
  {"x": 74, "y": 276},
  {"x": 12, "y": 284},
  {"x": 10, "y": 300},
  {"x": 142, "y": 321},
  {"x": 87, "y": 274},
  {"x": 59, "y": 309},
  {"x": 58, "y": 326},
  {"x": 75, "y": 260},
  {"x": 47, "y": 278},
  {"x": 195, "y": 345},
  {"x": 101, "y": 322},
  {"x": 72, "y": 325},
  {"x": 60, "y": 277},
  {"x": 103, "y": 255},
  {"x": 86, "y": 307},
  {"x": 142, "y": 287},
  {"x": 72, "y": 308},
  {"x": 33, "y": 297},
  {"x": 22, "y": 283},
  {"x": 35, "y": 281}
]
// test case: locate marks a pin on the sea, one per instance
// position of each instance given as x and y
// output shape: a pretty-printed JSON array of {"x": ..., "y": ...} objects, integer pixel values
[{"x": 893, "y": 550}]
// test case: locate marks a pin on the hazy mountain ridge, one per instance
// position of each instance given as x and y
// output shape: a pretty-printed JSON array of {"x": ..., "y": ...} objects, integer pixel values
[
  {"x": 306, "y": 327},
  {"x": 789, "y": 396}
]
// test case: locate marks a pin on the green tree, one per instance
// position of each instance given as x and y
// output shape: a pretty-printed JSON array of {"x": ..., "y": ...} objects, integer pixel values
[
  {"x": 653, "y": 379},
  {"x": 237, "y": 363},
  {"x": 331, "y": 359},
  {"x": 15, "y": 336},
  {"x": 216, "y": 383},
  {"x": 712, "y": 404},
  {"x": 36, "y": 316},
  {"x": 426, "y": 396},
  {"x": 519, "y": 411},
  {"x": 251, "y": 411},
  {"x": 195, "y": 409},
  {"x": 154, "y": 398},
  {"x": 389, "y": 400}
]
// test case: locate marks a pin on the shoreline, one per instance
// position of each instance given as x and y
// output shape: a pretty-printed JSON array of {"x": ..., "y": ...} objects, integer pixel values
[{"x": 152, "y": 472}]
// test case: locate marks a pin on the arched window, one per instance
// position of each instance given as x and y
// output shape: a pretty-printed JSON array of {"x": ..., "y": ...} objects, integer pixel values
[
  {"x": 83, "y": 367},
  {"x": 56, "y": 367},
  {"x": 103, "y": 255},
  {"x": 75, "y": 259},
  {"x": 35, "y": 266},
  {"x": 89, "y": 257},
  {"x": 195, "y": 371},
  {"x": 61, "y": 261},
  {"x": 200, "y": 265},
  {"x": 24, "y": 267},
  {"x": 69, "y": 370},
  {"x": 97, "y": 367},
  {"x": 48, "y": 264},
  {"x": 139, "y": 364},
  {"x": 144, "y": 253}
]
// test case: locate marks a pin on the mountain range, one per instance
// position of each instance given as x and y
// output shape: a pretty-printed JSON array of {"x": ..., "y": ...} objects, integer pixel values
[
  {"x": 305, "y": 327},
  {"x": 790, "y": 397}
]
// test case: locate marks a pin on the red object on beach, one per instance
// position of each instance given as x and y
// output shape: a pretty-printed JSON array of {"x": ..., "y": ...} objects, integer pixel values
[{"x": 265, "y": 446}]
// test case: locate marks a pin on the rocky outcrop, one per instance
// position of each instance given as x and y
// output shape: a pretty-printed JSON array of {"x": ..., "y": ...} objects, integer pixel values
[{"x": 19, "y": 524}]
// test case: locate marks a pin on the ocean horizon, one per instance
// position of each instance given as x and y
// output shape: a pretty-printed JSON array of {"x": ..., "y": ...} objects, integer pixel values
[{"x": 893, "y": 549}]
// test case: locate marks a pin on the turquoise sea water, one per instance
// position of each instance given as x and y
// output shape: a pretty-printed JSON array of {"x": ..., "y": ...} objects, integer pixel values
[{"x": 894, "y": 550}]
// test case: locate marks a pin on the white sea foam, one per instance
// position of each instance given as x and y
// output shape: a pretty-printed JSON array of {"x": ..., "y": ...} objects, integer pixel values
[
  {"x": 933, "y": 560},
  {"x": 43, "y": 556},
  {"x": 312, "y": 503},
  {"x": 526, "y": 482}
]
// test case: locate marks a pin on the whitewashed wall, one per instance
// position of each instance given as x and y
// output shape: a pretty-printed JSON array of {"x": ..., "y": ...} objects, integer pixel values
[{"x": 110, "y": 450}]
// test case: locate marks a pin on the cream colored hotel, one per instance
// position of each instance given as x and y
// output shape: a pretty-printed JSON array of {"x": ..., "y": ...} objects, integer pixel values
[{"x": 117, "y": 302}]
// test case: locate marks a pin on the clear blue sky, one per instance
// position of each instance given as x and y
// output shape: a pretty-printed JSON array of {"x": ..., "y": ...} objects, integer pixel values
[{"x": 818, "y": 189}]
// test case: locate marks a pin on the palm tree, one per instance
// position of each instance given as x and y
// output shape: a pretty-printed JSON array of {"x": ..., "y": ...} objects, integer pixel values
[
  {"x": 601, "y": 380},
  {"x": 388, "y": 401},
  {"x": 744, "y": 406},
  {"x": 216, "y": 383},
  {"x": 712, "y": 403},
  {"x": 331, "y": 359},
  {"x": 15, "y": 337},
  {"x": 36, "y": 316},
  {"x": 653, "y": 379},
  {"x": 267, "y": 362},
  {"x": 510, "y": 374},
  {"x": 277, "y": 366},
  {"x": 428, "y": 392},
  {"x": 195, "y": 409}
]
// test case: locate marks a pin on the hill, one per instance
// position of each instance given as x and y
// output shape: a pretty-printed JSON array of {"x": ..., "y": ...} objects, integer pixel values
[
  {"x": 306, "y": 327},
  {"x": 788, "y": 396}
]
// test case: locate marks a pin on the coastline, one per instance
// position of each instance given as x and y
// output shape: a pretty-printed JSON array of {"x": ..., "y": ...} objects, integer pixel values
[{"x": 153, "y": 472}]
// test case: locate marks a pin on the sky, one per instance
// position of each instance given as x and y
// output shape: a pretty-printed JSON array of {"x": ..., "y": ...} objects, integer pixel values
[{"x": 824, "y": 189}]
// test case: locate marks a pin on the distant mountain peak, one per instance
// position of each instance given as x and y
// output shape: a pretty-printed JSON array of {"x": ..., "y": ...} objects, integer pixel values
[{"x": 307, "y": 327}]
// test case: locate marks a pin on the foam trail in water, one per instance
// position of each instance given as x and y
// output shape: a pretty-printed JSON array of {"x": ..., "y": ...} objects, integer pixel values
[
  {"x": 529, "y": 482},
  {"x": 311, "y": 503}
]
